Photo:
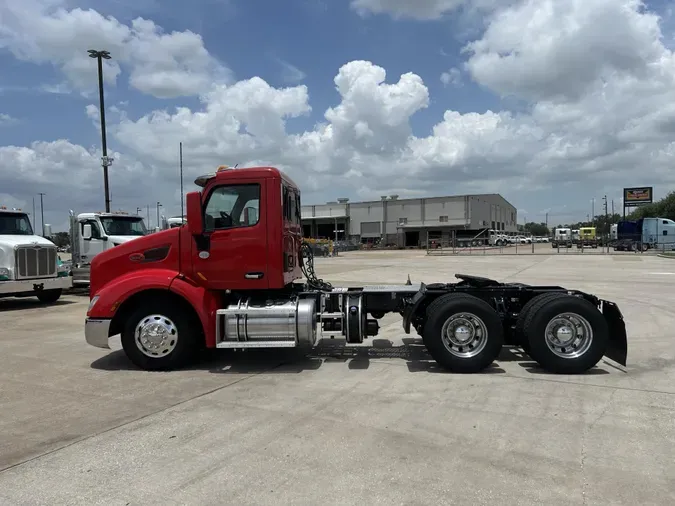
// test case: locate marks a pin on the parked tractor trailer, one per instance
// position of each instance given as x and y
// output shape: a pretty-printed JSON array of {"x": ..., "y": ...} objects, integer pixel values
[
  {"x": 643, "y": 234},
  {"x": 232, "y": 278},
  {"x": 29, "y": 264}
]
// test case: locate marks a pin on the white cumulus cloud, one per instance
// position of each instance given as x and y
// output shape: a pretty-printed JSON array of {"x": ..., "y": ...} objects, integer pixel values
[{"x": 162, "y": 64}]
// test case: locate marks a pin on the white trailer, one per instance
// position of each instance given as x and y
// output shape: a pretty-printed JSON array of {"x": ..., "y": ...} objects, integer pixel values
[
  {"x": 29, "y": 264},
  {"x": 93, "y": 233}
]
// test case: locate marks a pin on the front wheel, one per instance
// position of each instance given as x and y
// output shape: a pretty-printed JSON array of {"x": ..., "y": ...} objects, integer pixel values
[
  {"x": 159, "y": 337},
  {"x": 463, "y": 333},
  {"x": 49, "y": 296}
]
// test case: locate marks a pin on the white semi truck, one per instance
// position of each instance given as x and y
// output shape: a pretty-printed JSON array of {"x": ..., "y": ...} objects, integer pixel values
[
  {"x": 92, "y": 233},
  {"x": 29, "y": 264}
]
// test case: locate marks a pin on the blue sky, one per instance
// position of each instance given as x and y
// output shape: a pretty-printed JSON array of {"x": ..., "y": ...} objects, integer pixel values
[
  {"x": 254, "y": 38},
  {"x": 515, "y": 149}
]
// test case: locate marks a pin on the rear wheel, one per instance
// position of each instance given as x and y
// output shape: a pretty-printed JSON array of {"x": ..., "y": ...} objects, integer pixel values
[
  {"x": 49, "y": 296},
  {"x": 463, "y": 333},
  {"x": 160, "y": 336},
  {"x": 522, "y": 316},
  {"x": 566, "y": 334}
]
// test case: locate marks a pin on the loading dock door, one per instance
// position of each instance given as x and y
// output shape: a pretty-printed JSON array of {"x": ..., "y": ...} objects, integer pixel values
[{"x": 412, "y": 239}]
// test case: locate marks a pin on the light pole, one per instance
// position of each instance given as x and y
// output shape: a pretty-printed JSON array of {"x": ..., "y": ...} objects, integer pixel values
[
  {"x": 105, "y": 161},
  {"x": 158, "y": 206},
  {"x": 42, "y": 213}
]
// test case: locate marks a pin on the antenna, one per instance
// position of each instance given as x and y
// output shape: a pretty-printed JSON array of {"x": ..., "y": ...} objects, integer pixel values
[
  {"x": 182, "y": 196},
  {"x": 182, "y": 211}
]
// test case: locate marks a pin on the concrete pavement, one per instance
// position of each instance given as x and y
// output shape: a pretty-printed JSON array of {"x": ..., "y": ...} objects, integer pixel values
[{"x": 379, "y": 424}]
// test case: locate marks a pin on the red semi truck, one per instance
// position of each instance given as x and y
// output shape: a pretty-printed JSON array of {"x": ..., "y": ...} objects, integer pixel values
[{"x": 232, "y": 277}]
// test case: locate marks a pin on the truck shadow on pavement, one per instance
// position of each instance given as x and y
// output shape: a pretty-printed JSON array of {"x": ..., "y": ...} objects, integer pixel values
[
  {"x": 327, "y": 351},
  {"x": 29, "y": 303}
]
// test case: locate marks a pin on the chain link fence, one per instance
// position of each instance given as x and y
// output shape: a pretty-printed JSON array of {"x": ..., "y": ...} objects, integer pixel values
[{"x": 546, "y": 246}]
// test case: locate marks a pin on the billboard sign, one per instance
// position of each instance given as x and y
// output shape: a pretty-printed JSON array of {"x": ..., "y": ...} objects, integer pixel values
[{"x": 638, "y": 196}]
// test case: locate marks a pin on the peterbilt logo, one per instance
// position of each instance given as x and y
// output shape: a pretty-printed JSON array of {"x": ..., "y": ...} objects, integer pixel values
[{"x": 136, "y": 257}]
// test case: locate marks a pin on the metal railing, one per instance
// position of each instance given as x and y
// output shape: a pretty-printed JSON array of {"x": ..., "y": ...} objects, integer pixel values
[{"x": 602, "y": 245}]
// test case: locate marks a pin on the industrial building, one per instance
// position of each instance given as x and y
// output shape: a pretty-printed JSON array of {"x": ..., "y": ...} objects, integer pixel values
[{"x": 410, "y": 222}]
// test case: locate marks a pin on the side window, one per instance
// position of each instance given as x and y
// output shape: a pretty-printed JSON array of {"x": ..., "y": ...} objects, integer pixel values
[
  {"x": 298, "y": 209},
  {"x": 665, "y": 232},
  {"x": 232, "y": 206},
  {"x": 95, "y": 231}
]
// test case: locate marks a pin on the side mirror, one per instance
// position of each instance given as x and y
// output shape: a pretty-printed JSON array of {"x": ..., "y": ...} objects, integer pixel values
[
  {"x": 86, "y": 232},
  {"x": 195, "y": 220},
  {"x": 250, "y": 216},
  {"x": 47, "y": 230}
]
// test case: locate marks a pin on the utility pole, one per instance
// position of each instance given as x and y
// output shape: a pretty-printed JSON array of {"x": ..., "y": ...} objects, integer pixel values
[
  {"x": 105, "y": 161},
  {"x": 42, "y": 212},
  {"x": 592, "y": 211},
  {"x": 546, "y": 222},
  {"x": 34, "y": 215},
  {"x": 606, "y": 218},
  {"x": 148, "y": 210},
  {"x": 612, "y": 209},
  {"x": 158, "y": 206}
]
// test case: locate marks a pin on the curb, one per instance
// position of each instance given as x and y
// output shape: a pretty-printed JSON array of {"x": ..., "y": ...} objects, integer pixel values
[{"x": 672, "y": 257}]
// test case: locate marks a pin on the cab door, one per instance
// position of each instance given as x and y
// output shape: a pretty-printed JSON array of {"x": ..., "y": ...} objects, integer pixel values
[
  {"x": 89, "y": 248},
  {"x": 235, "y": 223}
]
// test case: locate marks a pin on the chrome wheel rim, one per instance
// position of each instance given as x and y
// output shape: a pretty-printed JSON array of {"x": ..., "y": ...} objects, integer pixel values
[
  {"x": 569, "y": 335},
  {"x": 156, "y": 336},
  {"x": 464, "y": 335}
]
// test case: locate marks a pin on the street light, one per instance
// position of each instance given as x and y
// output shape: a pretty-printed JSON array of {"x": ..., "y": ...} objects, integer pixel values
[
  {"x": 158, "y": 206},
  {"x": 42, "y": 212},
  {"x": 105, "y": 160}
]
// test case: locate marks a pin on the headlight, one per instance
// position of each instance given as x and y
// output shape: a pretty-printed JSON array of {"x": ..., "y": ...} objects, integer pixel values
[
  {"x": 4, "y": 274},
  {"x": 92, "y": 303}
]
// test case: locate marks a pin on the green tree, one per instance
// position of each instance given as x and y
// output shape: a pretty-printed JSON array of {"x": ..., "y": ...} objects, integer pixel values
[
  {"x": 536, "y": 229},
  {"x": 61, "y": 239},
  {"x": 664, "y": 208}
]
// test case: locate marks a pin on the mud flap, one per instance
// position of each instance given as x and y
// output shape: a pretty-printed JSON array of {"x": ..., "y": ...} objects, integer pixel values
[
  {"x": 411, "y": 308},
  {"x": 617, "y": 349}
]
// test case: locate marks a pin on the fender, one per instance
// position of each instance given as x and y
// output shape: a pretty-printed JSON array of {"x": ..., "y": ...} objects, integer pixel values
[
  {"x": 114, "y": 293},
  {"x": 205, "y": 303}
]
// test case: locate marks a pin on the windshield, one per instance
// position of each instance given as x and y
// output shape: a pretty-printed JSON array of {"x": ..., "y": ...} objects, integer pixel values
[
  {"x": 116, "y": 225},
  {"x": 15, "y": 224}
]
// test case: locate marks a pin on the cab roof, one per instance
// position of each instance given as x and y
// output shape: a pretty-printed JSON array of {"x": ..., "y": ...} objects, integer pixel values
[{"x": 225, "y": 173}]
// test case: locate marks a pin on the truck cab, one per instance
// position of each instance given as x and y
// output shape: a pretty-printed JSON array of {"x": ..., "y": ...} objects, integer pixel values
[
  {"x": 587, "y": 238},
  {"x": 93, "y": 233},
  {"x": 658, "y": 233},
  {"x": 29, "y": 264},
  {"x": 562, "y": 237}
]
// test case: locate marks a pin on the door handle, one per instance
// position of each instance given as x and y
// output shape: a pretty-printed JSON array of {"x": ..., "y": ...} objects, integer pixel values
[{"x": 254, "y": 275}]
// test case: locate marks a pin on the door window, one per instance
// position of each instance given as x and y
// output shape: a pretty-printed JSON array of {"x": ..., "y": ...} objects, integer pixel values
[
  {"x": 233, "y": 206},
  {"x": 95, "y": 232}
]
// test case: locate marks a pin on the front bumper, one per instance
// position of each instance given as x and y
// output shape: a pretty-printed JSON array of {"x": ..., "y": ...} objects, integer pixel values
[
  {"x": 96, "y": 332},
  {"x": 33, "y": 285}
]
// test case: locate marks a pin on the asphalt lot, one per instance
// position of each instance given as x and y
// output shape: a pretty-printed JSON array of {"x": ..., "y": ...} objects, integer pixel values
[{"x": 376, "y": 425}]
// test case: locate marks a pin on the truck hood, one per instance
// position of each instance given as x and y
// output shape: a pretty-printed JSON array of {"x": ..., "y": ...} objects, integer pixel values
[
  {"x": 11, "y": 241},
  {"x": 121, "y": 239}
]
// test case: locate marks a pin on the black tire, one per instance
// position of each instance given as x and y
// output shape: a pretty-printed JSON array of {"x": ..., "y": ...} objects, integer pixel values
[
  {"x": 185, "y": 343},
  {"x": 580, "y": 357},
  {"x": 525, "y": 311},
  {"x": 443, "y": 308},
  {"x": 49, "y": 296}
]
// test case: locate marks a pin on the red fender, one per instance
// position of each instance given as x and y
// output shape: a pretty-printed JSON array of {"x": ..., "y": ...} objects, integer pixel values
[
  {"x": 113, "y": 295},
  {"x": 205, "y": 304}
]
